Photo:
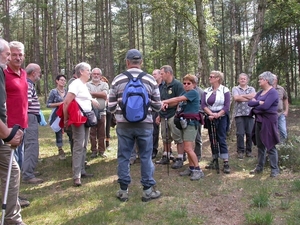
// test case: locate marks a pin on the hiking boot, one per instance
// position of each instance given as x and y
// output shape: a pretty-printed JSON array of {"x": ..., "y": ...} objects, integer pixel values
[
  {"x": 122, "y": 195},
  {"x": 240, "y": 155},
  {"x": 249, "y": 154},
  {"x": 61, "y": 154},
  {"x": 177, "y": 164},
  {"x": 102, "y": 155},
  {"x": 164, "y": 160},
  {"x": 210, "y": 166},
  {"x": 274, "y": 174},
  {"x": 77, "y": 182},
  {"x": 23, "y": 202},
  {"x": 94, "y": 155},
  {"x": 255, "y": 171},
  {"x": 197, "y": 175},
  {"x": 186, "y": 172},
  {"x": 33, "y": 180},
  {"x": 226, "y": 168},
  {"x": 150, "y": 194}
]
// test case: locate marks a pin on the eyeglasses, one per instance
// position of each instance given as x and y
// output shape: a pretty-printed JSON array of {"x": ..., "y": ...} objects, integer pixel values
[
  {"x": 210, "y": 77},
  {"x": 187, "y": 83},
  {"x": 63, "y": 80}
]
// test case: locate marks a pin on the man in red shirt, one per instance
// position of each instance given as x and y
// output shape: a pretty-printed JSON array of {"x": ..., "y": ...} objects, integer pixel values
[
  {"x": 16, "y": 89},
  {"x": 17, "y": 97}
]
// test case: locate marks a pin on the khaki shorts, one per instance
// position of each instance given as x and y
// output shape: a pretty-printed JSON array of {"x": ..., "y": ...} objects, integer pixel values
[
  {"x": 189, "y": 134},
  {"x": 173, "y": 132}
]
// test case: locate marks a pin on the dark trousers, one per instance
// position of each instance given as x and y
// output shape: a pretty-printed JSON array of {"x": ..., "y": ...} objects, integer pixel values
[
  {"x": 244, "y": 126},
  {"x": 262, "y": 151},
  {"x": 155, "y": 131}
]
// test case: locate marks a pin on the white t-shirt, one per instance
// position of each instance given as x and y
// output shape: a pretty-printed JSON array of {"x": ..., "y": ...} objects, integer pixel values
[{"x": 82, "y": 94}]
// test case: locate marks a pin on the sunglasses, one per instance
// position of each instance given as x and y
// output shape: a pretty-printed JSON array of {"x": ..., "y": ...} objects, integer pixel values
[{"x": 187, "y": 83}]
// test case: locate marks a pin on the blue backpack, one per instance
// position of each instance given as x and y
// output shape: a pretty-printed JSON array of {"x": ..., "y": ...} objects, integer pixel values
[{"x": 135, "y": 99}]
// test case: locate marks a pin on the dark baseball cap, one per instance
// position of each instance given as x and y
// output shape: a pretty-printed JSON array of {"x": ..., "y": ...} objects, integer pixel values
[{"x": 133, "y": 54}]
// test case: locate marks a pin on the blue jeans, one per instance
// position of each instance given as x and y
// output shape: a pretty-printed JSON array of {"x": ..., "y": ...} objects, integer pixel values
[
  {"x": 221, "y": 135},
  {"x": 59, "y": 138},
  {"x": 144, "y": 140},
  {"x": 282, "y": 127}
]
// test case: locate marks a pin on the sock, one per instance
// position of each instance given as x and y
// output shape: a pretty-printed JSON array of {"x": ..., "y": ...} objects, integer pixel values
[
  {"x": 123, "y": 187},
  {"x": 180, "y": 156},
  {"x": 146, "y": 188},
  {"x": 197, "y": 168},
  {"x": 192, "y": 168}
]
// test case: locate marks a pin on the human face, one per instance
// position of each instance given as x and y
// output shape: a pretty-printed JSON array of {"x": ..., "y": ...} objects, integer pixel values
[
  {"x": 96, "y": 76},
  {"x": 85, "y": 74},
  {"x": 164, "y": 75},
  {"x": 61, "y": 81},
  {"x": 213, "y": 79},
  {"x": 262, "y": 82},
  {"x": 37, "y": 74},
  {"x": 188, "y": 85},
  {"x": 157, "y": 75},
  {"x": 17, "y": 58},
  {"x": 5, "y": 57},
  {"x": 243, "y": 80}
]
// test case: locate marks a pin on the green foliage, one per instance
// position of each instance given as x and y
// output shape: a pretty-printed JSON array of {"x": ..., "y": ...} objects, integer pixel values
[
  {"x": 289, "y": 154},
  {"x": 261, "y": 199},
  {"x": 296, "y": 185},
  {"x": 259, "y": 218}
]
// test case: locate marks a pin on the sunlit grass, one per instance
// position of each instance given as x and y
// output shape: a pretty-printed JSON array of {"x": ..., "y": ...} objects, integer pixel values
[{"x": 211, "y": 199}]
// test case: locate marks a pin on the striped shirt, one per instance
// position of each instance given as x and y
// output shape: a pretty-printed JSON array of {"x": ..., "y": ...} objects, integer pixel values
[
  {"x": 116, "y": 92},
  {"x": 33, "y": 100}
]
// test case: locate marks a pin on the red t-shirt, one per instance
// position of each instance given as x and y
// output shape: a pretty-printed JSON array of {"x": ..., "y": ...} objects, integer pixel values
[{"x": 17, "y": 98}]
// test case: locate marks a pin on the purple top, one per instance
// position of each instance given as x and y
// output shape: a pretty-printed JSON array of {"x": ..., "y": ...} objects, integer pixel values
[
  {"x": 216, "y": 101},
  {"x": 266, "y": 114}
]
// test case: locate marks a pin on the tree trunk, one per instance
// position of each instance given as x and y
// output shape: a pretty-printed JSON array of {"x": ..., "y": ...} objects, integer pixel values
[
  {"x": 255, "y": 39},
  {"x": 203, "y": 64}
]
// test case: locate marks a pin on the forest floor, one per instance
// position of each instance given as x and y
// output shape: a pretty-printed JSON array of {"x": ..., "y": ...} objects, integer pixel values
[{"x": 218, "y": 199}]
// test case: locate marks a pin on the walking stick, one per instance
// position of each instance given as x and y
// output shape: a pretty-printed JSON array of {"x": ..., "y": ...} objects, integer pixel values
[
  {"x": 215, "y": 146},
  {"x": 7, "y": 186},
  {"x": 167, "y": 140}
]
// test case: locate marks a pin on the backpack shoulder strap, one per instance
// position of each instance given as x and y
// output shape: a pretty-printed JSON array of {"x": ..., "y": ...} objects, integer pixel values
[
  {"x": 141, "y": 75},
  {"x": 128, "y": 74}
]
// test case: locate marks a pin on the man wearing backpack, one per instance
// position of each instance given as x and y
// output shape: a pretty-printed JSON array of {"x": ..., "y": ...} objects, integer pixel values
[{"x": 135, "y": 127}]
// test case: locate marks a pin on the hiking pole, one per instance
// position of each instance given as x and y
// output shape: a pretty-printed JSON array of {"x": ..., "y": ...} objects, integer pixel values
[
  {"x": 167, "y": 145},
  {"x": 215, "y": 145},
  {"x": 7, "y": 186}
]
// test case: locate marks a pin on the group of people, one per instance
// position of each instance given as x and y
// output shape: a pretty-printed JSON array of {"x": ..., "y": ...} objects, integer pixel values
[
  {"x": 184, "y": 107},
  {"x": 179, "y": 108}
]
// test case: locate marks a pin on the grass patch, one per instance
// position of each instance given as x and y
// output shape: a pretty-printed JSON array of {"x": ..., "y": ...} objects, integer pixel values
[
  {"x": 212, "y": 200},
  {"x": 296, "y": 185},
  {"x": 262, "y": 198},
  {"x": 259, "y": 218}
]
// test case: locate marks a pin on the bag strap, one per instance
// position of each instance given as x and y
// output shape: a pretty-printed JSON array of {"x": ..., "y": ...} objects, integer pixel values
[
  {"x": 80, "y": 108},
  {"x": 130, "y": 77}
]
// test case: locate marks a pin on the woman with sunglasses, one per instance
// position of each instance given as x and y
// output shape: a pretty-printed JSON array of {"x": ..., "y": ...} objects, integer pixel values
[
  {"x": 188, "y": 112},
  {"x": 216, "y": 104}
]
